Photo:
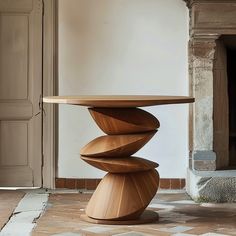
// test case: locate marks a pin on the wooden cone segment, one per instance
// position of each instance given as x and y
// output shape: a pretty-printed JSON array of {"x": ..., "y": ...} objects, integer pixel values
[
  {"x": 116, "y": 145},
  {"x": 123, "y": 196},
  {"x": 124, "y": 120},
  {"x": 120, "y": 164}
]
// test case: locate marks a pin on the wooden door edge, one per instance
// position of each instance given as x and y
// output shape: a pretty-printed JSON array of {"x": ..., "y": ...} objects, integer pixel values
[{"x": 49, "y": 88}]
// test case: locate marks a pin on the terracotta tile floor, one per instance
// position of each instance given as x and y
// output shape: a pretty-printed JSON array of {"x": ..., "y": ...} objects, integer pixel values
[
  {"x": 8, "y": 202},
  {"x": 179, "y": 216}
]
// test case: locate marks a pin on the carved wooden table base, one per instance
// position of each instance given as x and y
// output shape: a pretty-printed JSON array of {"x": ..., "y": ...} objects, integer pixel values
[{"x": 131, "y": 182}]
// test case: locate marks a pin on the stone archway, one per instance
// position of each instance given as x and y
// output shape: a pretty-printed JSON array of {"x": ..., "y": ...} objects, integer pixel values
[{"x": 209, "y": 116}]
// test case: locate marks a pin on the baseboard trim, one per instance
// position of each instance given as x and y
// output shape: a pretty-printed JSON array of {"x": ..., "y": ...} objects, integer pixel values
[{"x": 91, "y": 184}]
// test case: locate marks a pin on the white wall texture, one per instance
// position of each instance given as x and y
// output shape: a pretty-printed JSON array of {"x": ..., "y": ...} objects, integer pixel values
[{"x": 123, "y": 47}]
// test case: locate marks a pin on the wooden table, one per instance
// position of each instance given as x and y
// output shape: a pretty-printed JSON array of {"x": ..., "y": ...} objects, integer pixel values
[{"x": 131, "y": 182}]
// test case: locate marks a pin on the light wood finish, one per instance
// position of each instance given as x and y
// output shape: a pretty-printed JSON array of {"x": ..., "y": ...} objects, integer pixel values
[
  {"x": 125, "y": 192},
  {"x": 121, "y": 101},
  {"x": 121, "y": 164},
  {"x": 146, "y": 217},
  {"x": 121, "y": 196},
  {"x": 123, "y": 121},
  {"x": 20, "y": 90},
  {"x": 116, "y": 145},
  {"x": 221, "y": 107}
]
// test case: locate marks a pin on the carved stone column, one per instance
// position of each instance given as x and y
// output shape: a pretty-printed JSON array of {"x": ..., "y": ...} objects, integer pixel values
[{"x": 201, "y": 61}]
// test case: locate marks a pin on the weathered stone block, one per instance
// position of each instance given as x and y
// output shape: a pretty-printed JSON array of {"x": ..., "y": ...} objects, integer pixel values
[
  {"x": 203, "y": 127},
  {"x": 203, "y": 160},
  {"x": 212, "y": 186}
]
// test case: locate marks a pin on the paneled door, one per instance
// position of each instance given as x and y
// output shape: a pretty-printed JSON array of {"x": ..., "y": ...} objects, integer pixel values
[{"x": 20, "y": 92}]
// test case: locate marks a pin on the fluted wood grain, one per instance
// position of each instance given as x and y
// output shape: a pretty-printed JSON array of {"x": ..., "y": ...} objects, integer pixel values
[
  {"x": 123, "y": 196},
  {"x": 116, "y": 145},
  {"x": 124, "y": 120},
  {"x": 124, "y": 193}
]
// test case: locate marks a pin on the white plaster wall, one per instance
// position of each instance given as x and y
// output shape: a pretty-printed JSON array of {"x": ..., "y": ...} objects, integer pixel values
[{"x": 123, "y": 47}]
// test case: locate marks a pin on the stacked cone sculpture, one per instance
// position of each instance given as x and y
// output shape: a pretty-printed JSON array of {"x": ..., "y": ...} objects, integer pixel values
[{"x": 131, "y": 182}]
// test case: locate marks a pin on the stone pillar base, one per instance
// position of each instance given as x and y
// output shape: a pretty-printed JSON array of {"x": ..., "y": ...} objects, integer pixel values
[
  {"x": 203, "y": 160},
  {"x": 211, "y": 186}
]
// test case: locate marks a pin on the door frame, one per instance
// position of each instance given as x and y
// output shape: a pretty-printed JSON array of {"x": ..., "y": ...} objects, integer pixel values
[{"x": 50, "y": 88}]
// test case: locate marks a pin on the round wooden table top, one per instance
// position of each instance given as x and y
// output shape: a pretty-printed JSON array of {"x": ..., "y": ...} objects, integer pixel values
[{"x": 118, "y": 100}]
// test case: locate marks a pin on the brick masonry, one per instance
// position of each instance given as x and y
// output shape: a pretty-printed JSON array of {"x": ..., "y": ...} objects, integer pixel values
[{"x": 91, "y": 184}]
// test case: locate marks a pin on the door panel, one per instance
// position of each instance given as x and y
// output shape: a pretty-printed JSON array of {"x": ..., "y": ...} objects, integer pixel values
[
  {"x": 14, "y": 134},
  {"x": 20, "y": 90},
  {"x": 16, "y": 5},
  {"x": 14, "y": 53},
  {"x": 15, "y": 109}
]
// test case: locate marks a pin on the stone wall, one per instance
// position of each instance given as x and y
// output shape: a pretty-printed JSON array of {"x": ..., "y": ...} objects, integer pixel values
[{"x": 209, "y": 20}]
